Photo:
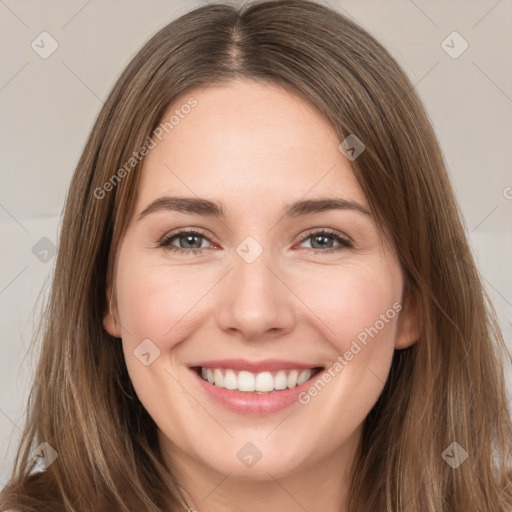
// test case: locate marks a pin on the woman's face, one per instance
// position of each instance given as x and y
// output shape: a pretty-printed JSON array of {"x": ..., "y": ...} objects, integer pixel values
[{"x": 261, "y": 295}]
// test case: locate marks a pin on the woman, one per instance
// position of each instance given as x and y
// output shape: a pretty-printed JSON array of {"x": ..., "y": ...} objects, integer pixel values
[{"x": 264, "y": 298}]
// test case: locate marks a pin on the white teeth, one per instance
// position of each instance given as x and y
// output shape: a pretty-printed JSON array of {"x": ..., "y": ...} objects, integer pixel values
[
  {"x": 280, "y": 381},
  {"x": 292, "y": 378},
  {"x": 230, "y": 380},
  {"x": 263, "y": 382},
  {"x": 219, "y": 379},
  {"x": 246, "y": 381},
  {"x": 304, "y": 376}
]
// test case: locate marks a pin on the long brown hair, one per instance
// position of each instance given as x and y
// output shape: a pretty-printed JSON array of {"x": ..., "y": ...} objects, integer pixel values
[{"x": 446, "y": 388}]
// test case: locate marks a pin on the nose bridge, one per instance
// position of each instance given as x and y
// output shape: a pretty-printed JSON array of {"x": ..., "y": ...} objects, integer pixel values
[
  {"x": 252, "y": 273},
  {"x": 255, "y": 300}
]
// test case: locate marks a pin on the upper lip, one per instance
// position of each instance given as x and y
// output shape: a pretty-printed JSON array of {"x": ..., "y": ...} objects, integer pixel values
[{"x": 254, "y": 366}]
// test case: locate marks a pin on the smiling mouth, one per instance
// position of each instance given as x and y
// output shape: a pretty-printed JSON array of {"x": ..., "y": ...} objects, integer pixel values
[{"x": 257, "y": 383}]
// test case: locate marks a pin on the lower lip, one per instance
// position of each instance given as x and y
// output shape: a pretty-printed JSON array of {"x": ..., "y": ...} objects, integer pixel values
[{"x": 252, "y": 403}]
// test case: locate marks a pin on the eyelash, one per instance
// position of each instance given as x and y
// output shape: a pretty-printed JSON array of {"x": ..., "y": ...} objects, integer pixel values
[{"x": 344, "y": 242}]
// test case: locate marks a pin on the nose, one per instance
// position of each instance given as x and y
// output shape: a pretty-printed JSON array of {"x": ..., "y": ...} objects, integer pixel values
[{"x": 255, "y": 301}]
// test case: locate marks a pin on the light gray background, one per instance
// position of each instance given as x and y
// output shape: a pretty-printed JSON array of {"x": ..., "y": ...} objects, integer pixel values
[{"x": 47, "y": 107}]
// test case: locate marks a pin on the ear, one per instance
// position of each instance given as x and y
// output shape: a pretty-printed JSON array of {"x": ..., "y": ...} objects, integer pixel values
[
  {"x": 109, "y": 324},
  {"x": 410, "y": 323}
]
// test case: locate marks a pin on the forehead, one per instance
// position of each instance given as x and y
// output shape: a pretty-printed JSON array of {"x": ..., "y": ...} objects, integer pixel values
[{"x": 247, "y": 142}]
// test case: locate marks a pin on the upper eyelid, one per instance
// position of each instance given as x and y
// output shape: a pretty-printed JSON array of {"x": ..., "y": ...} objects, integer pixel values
[
  {"x": 183, "y": 231},
  {"x": 327, "y": 231}
]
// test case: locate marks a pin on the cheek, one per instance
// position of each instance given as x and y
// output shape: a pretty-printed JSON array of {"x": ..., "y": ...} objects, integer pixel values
[
  {"x": 158, "y": 302},
  {"x": 358, "y": 311},
  {"x": 351, "y": 300}
]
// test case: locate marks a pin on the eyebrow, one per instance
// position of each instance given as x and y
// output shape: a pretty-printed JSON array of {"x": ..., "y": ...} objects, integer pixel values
[{"x": 205, "y": 207}]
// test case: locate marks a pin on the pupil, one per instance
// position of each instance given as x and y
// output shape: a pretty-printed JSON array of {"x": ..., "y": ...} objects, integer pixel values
[
  {"x": 191, "y": 237},
  {"x": 322, "y": 237}
]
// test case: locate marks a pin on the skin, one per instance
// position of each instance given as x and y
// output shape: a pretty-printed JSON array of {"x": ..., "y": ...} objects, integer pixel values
[{"x": 254, "y": 148}]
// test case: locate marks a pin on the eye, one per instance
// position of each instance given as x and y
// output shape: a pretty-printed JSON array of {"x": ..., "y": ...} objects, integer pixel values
[
  {"x": 324, "y": 240},
  {"x": 189, "y": 242}
]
